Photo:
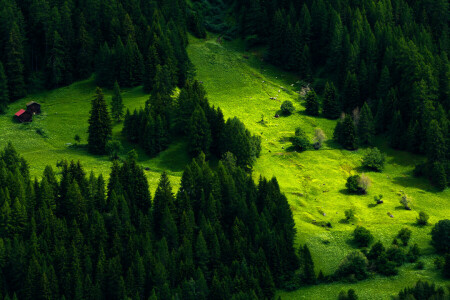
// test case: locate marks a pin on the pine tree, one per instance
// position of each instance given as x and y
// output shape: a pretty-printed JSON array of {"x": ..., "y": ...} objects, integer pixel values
[
  {"x": 151, "y": 61},
  {"x": 308, "y": 274},
  {"x": 436, "y": 144},
  {"x": 117, "y": 104},
  {"x": 330, "y": 108},
  {"x": 58, "y": 74},
  {"x": 4, "y": 94},
  {"x": 348, "y": 134},
  {"x": 397, "y": 132},
  {"x": 351, "y": 93},
  {"x": 199, "y": 133},
  {"x": 365, "y": 126},
  {"x": 384, "y": 84},
  {"x": 312, "y": 104},
  {"x": 84, "y": 55},
  {"x": 99, "y": 124},
  {"x": 15, "y": 64}
]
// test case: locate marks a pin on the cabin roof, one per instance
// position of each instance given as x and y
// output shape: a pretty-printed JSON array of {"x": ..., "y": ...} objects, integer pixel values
[{"x": 19, "y": 113}]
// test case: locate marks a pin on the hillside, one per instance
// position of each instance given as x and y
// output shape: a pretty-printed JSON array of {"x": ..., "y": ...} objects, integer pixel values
[{"x": 313, "y": 181}]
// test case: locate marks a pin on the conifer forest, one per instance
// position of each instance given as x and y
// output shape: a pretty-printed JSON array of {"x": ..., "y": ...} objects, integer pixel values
[{"x": 225, "y": 149}]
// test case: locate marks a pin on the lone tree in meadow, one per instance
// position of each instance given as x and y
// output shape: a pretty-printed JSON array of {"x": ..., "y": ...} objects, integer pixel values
[
  {"x": 299, "y": 141},
  {"x": 287, "y": 108},
  {"x": 117, "y": 106},
  {"x": 374, "y": 160},
  {"x": 100, "y": 129}
]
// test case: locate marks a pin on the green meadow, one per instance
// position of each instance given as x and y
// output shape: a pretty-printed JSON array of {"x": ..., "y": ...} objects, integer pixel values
[
  {"x": 314, "y": 181},
  {"x": 242, "y": 84}
]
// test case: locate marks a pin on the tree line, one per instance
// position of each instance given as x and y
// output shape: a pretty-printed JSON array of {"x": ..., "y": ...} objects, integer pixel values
[
  {"x": 49, "y": 44},
  {"x": 221, "y": 236},
  {"x": 384, "y": 58},
  {"x": 191, "y": 116}
]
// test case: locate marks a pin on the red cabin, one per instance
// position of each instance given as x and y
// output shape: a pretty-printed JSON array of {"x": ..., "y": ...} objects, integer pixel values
[{"x": 23, "y": 116}]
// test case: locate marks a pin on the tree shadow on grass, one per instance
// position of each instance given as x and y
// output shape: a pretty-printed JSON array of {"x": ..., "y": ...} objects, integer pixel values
[
  {"x": 409, "y": 181},
  {"x": 371, "y": 205},
  {"x": 345, "y": 192}
]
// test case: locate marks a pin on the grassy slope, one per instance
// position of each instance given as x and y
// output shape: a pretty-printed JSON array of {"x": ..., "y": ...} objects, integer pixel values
[
  {"x": 242, "y": 88},
  {"x": 314, "y": 181},
  {"x": 65, "y": 112}
]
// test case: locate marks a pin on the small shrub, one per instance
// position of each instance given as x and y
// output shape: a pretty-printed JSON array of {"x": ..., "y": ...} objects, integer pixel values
[
  {"x": 352, "y": 184},
  {"x": 422, "y": 220},
  {"x": 364, "y": 183},
  {"x": 287, "y": 108},
  {"x": 413, "y": 253},
  {"x": 349, "y": 214},
  {"x": 299, "y": 141},
  {"x": 404, "y": 235},
  {"x": 77, "y": 139},
  {"x": 440, "y": 236},
  {"x": 354, "y": 264},
  {"x": 374, "y": 160},
  {"x": 405, "y": 201},
  {"x": 350, "y": 295},
  {"x": 319, "y": 137},
  {"x": 362, "y": 236},
  {"x": 114, "y": 149},
  {"x": 378, "y": 198},
  {"x": 358, "y": 184},
  {"x": 396, "y": 255}
]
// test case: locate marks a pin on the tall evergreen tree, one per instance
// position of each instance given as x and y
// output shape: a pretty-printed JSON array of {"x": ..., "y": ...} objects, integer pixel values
[
  {"x": 4, "y": 94},
  {"x": 199, "y": 133},
  {"x": 312, "y": 104},
  {"x": 330, "y": 107},
  {"x": 15, "y": 64},
  {"x": 117, "y": 104},
  {"x": 351, "y": 95},
  {"x": 366, "y": 128},
  {"x": 100, "y": 129}
]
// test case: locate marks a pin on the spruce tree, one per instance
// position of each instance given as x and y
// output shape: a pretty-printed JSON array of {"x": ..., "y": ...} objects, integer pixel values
[
  {"x": 56, "y": 64},
  {"x": 351, "y": 93},
  {"x": 365, "y": 126},
  {"x": 348, "y": 134},
  {"x": 100, "y": 129},
  {"x": 330, "y": 109},
  {"x": 312, "y": 104},
  {"x": 199, "y": 133},
  {"x": 4, "y": 94},
  {"x": 15, "y": 64},
  {"x": 397, "y": 132},
  {"x": 117, "y": 104},
  {"x": 436, "y": 143},
  {"x": 150, "y": 63}
]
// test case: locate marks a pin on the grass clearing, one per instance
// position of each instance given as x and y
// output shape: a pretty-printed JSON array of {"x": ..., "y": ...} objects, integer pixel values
[{"x": 314, "y": 181}]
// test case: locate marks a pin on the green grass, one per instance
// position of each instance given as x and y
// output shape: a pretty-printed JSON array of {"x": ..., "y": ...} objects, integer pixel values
[
  {"x": 65, "y": 113},
  {"x": 314, "y": 181}
]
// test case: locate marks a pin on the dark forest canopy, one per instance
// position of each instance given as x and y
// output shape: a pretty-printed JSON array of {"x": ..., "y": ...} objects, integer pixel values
[
  {"x": 220, "y": 237},
  {"x": 48, "y": 43},
  {"x": 390, "y": 54}
]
